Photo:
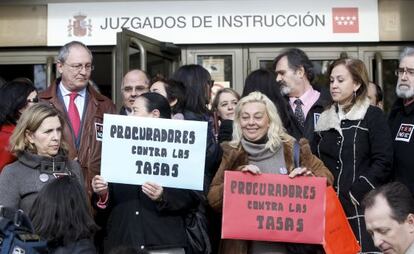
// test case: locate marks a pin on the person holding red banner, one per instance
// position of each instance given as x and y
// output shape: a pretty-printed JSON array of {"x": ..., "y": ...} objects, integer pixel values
[
  {"x": 352, "y": 138},
  {"x": 260, "y": 144}
]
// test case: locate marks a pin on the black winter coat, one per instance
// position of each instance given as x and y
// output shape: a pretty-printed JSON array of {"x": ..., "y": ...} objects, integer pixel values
[
  {"x": 136, "y": 220},
  {"x": 401, "y": 120},
  {"x": 213, "y": 150},
  {"x": 358, "y": 152}
]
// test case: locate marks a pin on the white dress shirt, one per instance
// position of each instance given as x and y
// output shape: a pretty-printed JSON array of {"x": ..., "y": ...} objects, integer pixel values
[{"x": 79, "y": 100}]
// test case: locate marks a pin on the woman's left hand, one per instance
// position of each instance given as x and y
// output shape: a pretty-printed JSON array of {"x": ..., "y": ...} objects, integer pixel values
[
  {"x": 152, "y": 190},
  {"x": 300, "y": 172}
]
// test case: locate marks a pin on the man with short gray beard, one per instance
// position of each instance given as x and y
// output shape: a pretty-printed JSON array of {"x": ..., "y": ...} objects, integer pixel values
[
  {"x": 401, "y": 120},
  {"x": 295, "y": 73}
]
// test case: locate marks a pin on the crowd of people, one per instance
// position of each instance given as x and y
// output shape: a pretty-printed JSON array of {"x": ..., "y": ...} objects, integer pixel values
[{"x": 50, "y": 156}]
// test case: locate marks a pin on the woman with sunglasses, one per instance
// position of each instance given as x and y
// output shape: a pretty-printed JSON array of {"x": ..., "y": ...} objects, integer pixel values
[{"x": 15, "y": 97}]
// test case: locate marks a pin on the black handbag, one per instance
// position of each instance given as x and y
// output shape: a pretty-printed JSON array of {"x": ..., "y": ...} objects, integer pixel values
[{"x": 198, "y": 241}]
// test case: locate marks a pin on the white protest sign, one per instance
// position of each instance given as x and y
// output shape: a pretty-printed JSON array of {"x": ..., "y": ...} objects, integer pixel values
[{"x": 169, "y": 152}]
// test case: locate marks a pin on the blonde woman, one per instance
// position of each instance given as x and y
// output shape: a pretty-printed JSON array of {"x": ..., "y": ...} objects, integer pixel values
[{"x": 260, "y": 144}]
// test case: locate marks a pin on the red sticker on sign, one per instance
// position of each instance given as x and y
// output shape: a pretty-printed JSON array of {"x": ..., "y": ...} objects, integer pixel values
[{"x": 345, "y": 20}]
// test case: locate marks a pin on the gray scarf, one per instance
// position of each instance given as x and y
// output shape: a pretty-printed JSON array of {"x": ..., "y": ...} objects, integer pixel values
[{"x": 264, "y": 158}]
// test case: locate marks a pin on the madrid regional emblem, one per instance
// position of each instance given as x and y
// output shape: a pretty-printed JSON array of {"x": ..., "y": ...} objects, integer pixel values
[{"x": 79, "y": 26}]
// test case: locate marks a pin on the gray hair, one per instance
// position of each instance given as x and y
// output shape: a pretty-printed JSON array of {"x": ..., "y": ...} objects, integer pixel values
[
  {"x": 64, "y": 51},
  {"x": 408, "y": 51}
]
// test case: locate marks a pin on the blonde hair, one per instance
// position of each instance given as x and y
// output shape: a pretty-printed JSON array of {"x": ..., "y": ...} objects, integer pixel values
[
  {"x": 29, "y": 122},
  {"x": 276, "y": 134}
]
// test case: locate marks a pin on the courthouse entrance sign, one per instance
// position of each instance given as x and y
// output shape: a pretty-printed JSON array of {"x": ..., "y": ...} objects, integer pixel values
[{"x": 192, "y": 22}]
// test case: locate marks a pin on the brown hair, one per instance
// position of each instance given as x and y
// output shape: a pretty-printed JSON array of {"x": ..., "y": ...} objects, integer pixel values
[{"x": 359, "y": 75}]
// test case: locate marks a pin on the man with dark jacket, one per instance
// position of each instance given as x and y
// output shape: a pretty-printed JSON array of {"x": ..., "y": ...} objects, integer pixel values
[
  {"x": 81, "y": 105},
  {"x": 401, "y": 120},
  {"x": 295, "y": 73}
]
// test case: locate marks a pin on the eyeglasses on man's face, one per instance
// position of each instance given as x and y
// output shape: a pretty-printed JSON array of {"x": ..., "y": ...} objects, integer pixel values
[
  {"x": 408, "y": 71},
  {"x": 33, "y": 100},
  {"x": 137, "y": 89},
  {"x": 79, "y": 67}
]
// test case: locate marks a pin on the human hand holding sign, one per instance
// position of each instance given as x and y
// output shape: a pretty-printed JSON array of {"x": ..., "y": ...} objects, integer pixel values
[
  {"x": 153, "y": 191},
  {"x": 99, "y": 185},
  {"x": 252, "y": 169},
  {"x": 300, "y": 172}
]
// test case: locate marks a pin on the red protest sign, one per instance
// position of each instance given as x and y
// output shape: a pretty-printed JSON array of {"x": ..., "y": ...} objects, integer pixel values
[
  {"x": 271, "y": 207},
  {"x": 339, "y": 238}
]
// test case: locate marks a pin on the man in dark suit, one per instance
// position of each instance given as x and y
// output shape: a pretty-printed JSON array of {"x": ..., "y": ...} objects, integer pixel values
[{"x": 295, "y": 73}]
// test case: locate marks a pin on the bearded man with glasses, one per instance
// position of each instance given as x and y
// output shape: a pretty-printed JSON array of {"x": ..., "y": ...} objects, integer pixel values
[
  {"x": 401, "y": 120},
  {"x": 81, "y": 105}
]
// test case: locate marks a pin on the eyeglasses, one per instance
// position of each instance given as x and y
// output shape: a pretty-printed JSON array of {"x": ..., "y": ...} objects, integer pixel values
[
  {"x": 130, "y": 89},
  {"x": 210, "y": 83},
  {"x": 400, "y": 72},
  {"x": 79, "y": 67},
  {"x": 33, "y": 100}
]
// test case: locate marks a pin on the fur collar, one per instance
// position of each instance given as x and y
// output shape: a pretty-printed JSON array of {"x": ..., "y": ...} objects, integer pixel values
[{"x": 329, "y": 119}]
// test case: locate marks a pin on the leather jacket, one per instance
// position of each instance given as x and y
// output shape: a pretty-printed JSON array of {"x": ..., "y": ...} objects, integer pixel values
[{"x": 89, "y": 150}]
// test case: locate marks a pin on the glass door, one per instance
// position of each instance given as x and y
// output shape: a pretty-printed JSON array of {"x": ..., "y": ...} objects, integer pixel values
[
  {"x": 320, "y": 56},
  {"x": 137, "y": 51},
  {"x": 36, "y": 65},
  {"x": 224, "y": 63},
  {"x": 381, "y": 62}
]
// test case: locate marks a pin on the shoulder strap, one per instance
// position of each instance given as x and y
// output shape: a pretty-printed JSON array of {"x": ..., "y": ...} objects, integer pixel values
[
  {"x": 216, "y": 127},
  {"x": 296, "y": 154}
]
